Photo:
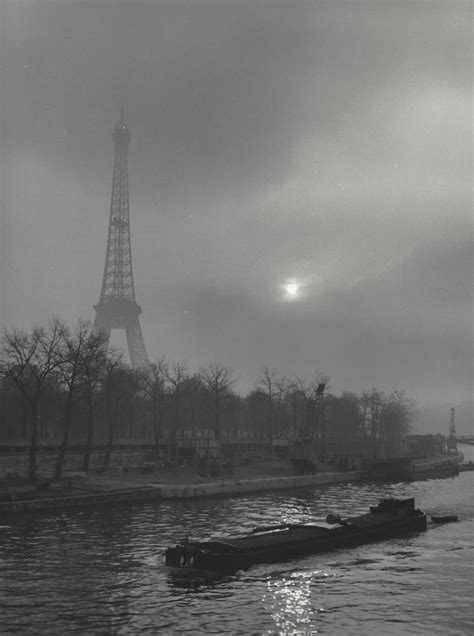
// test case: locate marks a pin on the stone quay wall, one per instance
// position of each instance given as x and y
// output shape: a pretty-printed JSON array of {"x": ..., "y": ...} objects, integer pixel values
[
  {"x": 159, "y": 492},
  {"x": 244, "y": 486}
]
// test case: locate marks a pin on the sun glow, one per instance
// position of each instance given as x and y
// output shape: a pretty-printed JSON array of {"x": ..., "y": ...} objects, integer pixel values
[{"x": 291, "y": 290}]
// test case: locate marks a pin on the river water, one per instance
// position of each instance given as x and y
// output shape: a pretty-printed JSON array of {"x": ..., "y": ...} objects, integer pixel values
[{"x": 101, "y": 571}]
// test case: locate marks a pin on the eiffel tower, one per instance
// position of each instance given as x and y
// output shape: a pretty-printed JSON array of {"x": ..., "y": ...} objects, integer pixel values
[{"x": 117, "y": 307}]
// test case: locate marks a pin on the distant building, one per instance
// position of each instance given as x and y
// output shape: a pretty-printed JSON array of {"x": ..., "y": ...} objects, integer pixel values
[{"x": 425, "y": 445}]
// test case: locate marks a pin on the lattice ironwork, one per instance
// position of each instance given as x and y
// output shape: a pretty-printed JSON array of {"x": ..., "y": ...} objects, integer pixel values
[{"x": 117, "y": 307}]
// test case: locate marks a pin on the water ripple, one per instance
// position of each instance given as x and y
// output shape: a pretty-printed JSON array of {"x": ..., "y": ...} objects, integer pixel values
[{"x": 101, "y": 571}]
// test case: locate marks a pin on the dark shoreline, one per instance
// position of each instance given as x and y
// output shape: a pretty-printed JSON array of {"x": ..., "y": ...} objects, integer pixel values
[{"x": 158, "y": 492}]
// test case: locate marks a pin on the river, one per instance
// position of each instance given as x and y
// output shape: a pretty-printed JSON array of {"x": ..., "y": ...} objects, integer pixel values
[{"x": 101, "y": 571}]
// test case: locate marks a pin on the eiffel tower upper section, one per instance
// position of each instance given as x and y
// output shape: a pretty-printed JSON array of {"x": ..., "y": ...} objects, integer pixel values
[
  {"x": 117, "y": 307},
  {"x": 118, "y": 273}
]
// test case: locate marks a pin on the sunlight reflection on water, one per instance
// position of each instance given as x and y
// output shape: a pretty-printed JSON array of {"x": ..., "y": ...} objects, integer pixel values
[{"x": 101, "y": 571}]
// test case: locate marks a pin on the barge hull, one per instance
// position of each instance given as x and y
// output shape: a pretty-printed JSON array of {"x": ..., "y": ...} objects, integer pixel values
[{"x": 279, "y": 544}]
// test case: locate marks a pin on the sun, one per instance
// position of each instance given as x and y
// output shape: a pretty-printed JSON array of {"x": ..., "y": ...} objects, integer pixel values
[{"x": 292, "y": 289}]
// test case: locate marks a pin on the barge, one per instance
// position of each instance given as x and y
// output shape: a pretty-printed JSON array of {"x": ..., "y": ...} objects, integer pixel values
[
  {"x": 413, "y": 469},
  {"x": 271, "y": 544}
]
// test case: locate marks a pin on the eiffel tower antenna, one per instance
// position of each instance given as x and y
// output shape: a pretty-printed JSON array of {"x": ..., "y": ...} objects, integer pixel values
[{"x": 117, "y": 307}]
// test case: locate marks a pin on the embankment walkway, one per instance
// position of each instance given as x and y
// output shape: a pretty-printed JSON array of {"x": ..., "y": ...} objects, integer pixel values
[{"x": 160, "y": 492}]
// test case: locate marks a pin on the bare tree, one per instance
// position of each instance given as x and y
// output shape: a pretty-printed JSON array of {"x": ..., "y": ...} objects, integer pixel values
[
  {"x": 345, "y": 416},
  {"x": 268, "y": 383},
  {"x": 293, "y": 399},
  {"x": 372, "y": 403},
  {"x": 176, "y": 374},
  {"x": 72, "y": 350},
  {"x": 397, "y": 413},
  {"x": 152, "y": 383},
  {"x": 93, "y": 367},
  {"x": 301, "y": 392},
  {"x": 194, "y": 389},
  {"x": 30, "y": 363},
  {"x": 218, "y": 381},
  {"x": 281, "y": 386},
  {"x": 119, "y": 382}
]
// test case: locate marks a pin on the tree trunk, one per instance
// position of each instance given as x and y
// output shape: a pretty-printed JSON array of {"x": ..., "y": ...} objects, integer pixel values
[
  {"x": 217, "y": 432},
  {"x": 270, "y": 422},
  {"x": 112, "y": 429},
  {"x": 323, "y": 426},
  {"x": 156, "y": 432},
  {"x": 294, "y": 422},
  {"x": 174, "y": 432},
  {"x": 131, "y": 420},
  {"x": 373, "y": 435},
  {"x": 24, "y": 420},
  {"x": 62, "y": 451},
  {"x": 277, "y": 418},
  {"x": 108, "y": 450},
  {"x": 317, "y": 426},
  {"x": 33, "y": 445},
  {"x": 90, "y": 431}
]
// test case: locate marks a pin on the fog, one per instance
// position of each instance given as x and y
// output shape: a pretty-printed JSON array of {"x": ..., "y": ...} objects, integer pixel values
[{"x": 323, "y": 144}]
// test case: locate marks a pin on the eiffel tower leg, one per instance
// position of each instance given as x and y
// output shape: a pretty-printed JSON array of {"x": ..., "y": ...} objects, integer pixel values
[
  {"x": 104, "y": 326},
  {"x": 136, "y": 345}
]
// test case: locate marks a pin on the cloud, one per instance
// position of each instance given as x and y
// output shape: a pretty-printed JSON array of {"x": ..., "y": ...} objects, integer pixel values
[
  {"x": 409, "y": 327},
  {"x": 325, "y": 142}
]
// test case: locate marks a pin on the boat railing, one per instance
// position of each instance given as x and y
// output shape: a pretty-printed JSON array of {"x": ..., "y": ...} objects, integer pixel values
[{"x": 281, "y": 526}]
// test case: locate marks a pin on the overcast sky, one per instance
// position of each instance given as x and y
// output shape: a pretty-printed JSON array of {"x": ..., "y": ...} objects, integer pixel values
[{"x": 324, "y": 144}]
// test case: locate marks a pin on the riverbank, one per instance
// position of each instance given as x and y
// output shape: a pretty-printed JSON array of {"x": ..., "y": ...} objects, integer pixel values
[
  {"x": 165, "y": 482},
  {"x": 99, "y": 491}
]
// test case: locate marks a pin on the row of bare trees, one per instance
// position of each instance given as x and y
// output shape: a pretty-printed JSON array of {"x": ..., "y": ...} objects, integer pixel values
[
  {"x": 56, "y": 378},
  {"x": 55, "y": 360},
  {"x": 307, "y": 410},
  {"x": 62, "y": 383}
]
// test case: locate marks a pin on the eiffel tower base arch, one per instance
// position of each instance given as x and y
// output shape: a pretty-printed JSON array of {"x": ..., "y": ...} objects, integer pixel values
[{"x": 123, "y": 314}]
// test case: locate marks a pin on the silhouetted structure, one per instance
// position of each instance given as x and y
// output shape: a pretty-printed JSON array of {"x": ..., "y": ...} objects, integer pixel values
[
  {"x": 117, "y": 307},
  {"x": 451, "y": 442}
]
